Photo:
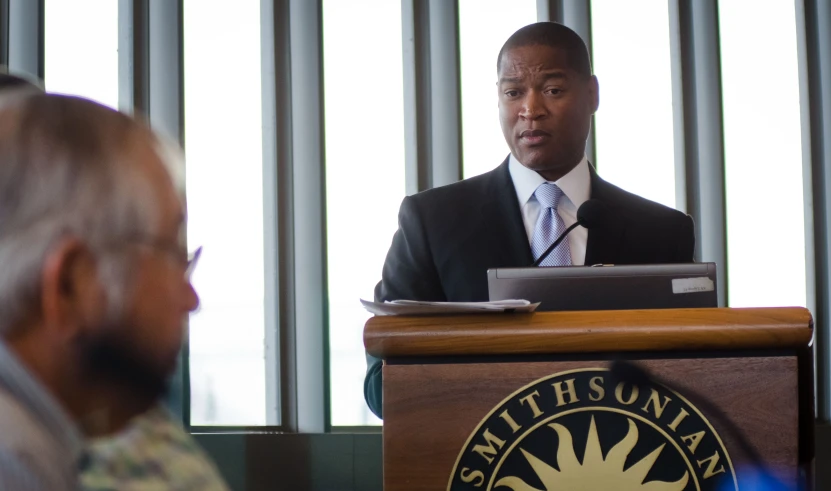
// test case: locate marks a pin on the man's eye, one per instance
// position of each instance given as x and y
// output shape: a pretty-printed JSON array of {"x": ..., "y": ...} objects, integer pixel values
[
  {"x": 511, "y": 93},
  {"x": 555, "y": 91}
]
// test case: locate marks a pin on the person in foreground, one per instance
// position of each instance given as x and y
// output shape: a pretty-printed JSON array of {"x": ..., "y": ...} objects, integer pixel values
[
  {"x": 94, "y": 292},
  {"x": 154, "y": 450},
  {"x": 449, "y": 237}
]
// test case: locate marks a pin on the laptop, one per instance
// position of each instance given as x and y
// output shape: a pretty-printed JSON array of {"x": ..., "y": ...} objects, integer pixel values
[{"x": 649, "y": 286}]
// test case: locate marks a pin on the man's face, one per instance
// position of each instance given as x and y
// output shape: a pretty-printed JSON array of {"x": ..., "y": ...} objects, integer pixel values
[
  {"x": 545, "y": 108},
  {"x": 139, "y": 344}
]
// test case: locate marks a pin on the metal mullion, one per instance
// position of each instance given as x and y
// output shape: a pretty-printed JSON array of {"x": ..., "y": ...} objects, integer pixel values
[
  {"x": 133, "y": 61},
  {"x": 699, "y": 132},
  {"x": 281, "y": 390},
  {"x": 576, "y": 14},
  {"x": 806, "y": 34},
  {"x": 445, "y": 93},
  {"x": 432, "y": 93},
  {"x": 26, "y": 37},
  {"x": 815, "y": 101},
  {"x": 125, "y": 55},
  {"x": 680, "y": 99},
  {"x": 285, "y": 235},
  {"x": 415, "y": 30},
  {"x": 4, "y": 32},
  {"x": 550, "y": 11},
  {"x": 164, "y": 78},
  {"x": 165, "y": 66},
  {"x": 308, "y": 211},
  {"x": 41, "y": 54}
]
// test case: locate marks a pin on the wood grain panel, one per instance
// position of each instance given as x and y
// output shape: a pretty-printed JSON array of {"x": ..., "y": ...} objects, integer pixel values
[
  {"x": 595, "y": 331},
  {"x": 431, "y": 409}
]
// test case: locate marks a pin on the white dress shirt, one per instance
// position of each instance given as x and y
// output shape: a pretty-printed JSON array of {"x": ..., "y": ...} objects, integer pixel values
[{"x": 576, "y": 187}]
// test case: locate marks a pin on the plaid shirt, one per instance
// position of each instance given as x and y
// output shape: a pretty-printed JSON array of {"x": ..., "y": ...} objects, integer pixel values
[{"x": 154, "y": 453}]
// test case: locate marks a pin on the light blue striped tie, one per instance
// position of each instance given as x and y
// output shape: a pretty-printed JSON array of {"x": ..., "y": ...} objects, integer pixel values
[{"x": 549, "y": 226}]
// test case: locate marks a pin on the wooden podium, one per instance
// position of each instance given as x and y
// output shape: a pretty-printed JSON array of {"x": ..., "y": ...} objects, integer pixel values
[{"x": 528, "y": 401}]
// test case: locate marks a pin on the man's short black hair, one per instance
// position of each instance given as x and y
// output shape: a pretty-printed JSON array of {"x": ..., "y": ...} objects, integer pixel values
[{"x": 556, "y": 36}]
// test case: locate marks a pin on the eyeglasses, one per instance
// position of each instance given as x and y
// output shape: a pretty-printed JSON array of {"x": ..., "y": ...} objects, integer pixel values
[
  {"x": 193, "y": 258},
  {"x": 173, "y": 250}
]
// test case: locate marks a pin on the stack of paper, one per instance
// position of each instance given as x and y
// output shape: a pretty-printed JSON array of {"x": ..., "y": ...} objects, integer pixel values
[{"x": 412, "y": 307}]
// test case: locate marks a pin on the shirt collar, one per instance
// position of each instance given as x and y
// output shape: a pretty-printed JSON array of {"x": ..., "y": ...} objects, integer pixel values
[
  {"x": 576, "y": 185},
  {"x": 16, "y": 379}
]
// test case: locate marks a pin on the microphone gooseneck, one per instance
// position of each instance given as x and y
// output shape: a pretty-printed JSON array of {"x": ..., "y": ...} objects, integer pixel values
[
  {"x": 591, "y": 214},
  {"x": 554, "y": 244}
]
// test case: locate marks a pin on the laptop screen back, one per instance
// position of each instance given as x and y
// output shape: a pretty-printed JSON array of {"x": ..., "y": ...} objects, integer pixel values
[{"x": 652, "y": 286}]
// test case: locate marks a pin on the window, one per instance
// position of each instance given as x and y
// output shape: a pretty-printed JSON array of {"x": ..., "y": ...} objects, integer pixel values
[
  {"x": 633, "y": 125},
  {"x": 364, "y": 127},
  {"x": 484, "y": 26},
  {"x": 223, "y": 145},
  {"x": 81, "y": 49},
  {"x": 763, "y": 153}
]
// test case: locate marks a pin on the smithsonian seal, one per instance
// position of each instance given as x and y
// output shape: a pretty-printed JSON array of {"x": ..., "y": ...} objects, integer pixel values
[{"x": 579, "y": 430}]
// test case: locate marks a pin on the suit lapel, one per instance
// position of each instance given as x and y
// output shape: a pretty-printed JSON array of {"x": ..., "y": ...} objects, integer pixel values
[
  {"x": 507, "y": 239},
  {"x": 503, "y": 219},
  {"x": 603, "y": 246}
]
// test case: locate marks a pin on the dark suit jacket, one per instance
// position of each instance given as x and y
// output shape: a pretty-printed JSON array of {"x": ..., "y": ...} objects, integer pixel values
[{"x": 449, "y": 237}]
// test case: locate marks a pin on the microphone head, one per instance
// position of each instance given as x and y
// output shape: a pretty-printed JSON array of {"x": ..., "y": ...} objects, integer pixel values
[{"x": 593, "y": 214}]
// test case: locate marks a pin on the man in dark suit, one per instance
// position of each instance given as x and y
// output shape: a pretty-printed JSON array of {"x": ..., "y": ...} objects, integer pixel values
[{"x": 449, "y": 237}]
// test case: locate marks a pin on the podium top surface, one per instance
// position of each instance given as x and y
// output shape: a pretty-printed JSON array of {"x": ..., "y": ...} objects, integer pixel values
[{"x": 724, "y": 329}]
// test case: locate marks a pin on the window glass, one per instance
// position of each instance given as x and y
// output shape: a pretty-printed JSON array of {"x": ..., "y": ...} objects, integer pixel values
[
  {"x": 364, "y": 125},
  {"x": 81, "y": 49},
  {"x": 633, "y": 125},
  {"x": 763, "y": 153},
  {"x": 484, "y": 26},
  {"x": 223, "y": 145}
]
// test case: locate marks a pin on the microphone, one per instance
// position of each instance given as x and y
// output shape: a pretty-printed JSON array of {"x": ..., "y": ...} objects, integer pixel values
[
  {"x": 591, "y": 214},
  {"x": 762, "y": 479}
]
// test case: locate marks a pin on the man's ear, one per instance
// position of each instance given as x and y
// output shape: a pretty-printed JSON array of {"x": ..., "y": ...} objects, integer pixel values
[
  {"x": 594, "y": 94},
  {"x": 70, "y": 291}
]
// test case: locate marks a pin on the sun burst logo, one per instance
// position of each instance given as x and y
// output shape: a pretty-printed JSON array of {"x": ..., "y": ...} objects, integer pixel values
[
  {"x": 629, "y": 437},
  {"x": 595, "y": 472}
]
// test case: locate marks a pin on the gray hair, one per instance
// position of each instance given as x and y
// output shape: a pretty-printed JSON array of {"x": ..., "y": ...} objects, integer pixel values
[{"x": 66, "y": 171}]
